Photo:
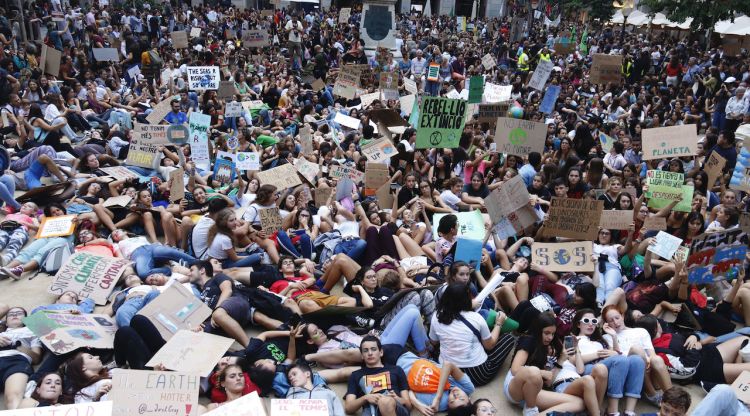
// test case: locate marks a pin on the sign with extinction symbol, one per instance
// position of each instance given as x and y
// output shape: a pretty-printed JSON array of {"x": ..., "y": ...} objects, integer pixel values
[
  {"x": 441, "y": 122},
  {"x": 435, "y": 138}
]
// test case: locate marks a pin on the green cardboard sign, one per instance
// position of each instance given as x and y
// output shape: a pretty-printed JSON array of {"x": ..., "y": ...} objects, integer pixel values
[{"x": 441, "y": 122}]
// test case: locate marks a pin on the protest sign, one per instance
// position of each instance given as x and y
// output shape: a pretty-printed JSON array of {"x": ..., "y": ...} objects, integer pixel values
[
  {"x": 470, "y": 251},
  {"x": 318, "y": 84},
  {"x": 564, "y": 48},
  {"x": 573, "y": 218},
  {"x": 247, "y": 405},
  {"x": 654, "y": 223},
  {"x": 717, "y": 256},
  {"x": 614, "y": 219},
  {"x": 255, "y": 38},
  {"x": 120, "y": 173},
  {"x": 322, "y": 195},
  {"x": 714, "y": 167},
  {"x": 668, "y": 142},
  {"x": 179, "y": 39},
  {"x": 470, "y": 224},
  {"x": 507, "y": 198},
  {"x": 270, "y": 219},
  {"x": 223, "y": 171},
  {"x": 344, "y": 188},
  {"x": 741, "y": 175},
  {"x": 142, "y": 153},
  {"x": 686, "y": 199},
  {"x": 489, "y": 113},
  {"x": 346, "y": 121},
  {"x": 66, "y": 332},
  {"x": 298, "y": 407},
  {"x": 227, "y": 92},
  {"x": 177, "y": 134},
  {"x": 516, "y": 221},
  {"x": 488, "y": 62},
  {"x": 540, "y": 75},
  {"x": 563, "y": 257},
  {"x": 198, "y": 125},
  {"x": 203, "y": 78},
  {"x": 606, "y": 142},
  {"x": 56, "y": 226},
  {"x": 346, "y": 83},
  {"x": 176, "y": 185},
  {"x": 433, "y": 72},
  {"x": 51, "y": 60},
  {"x": 134, "y": 71},
  {"x": 89, "y": 276},
  {"x": 441, "y": 122},
  {"x": 389, "y": 85},
  {"x": 117, "y": 201},
  {"x": 233, "y": 109},
  {"x": 81, "y": 409},
  {"x": 367, "y": 99},
  {"x": 606, "y": 68},
  {"x": 307, "y": 169},
  {"x": 152, "y": 134},
  {"x": 305, "y": 136},
  {"x": 476, "y": 89},
  {"x": 379, "y": 151},
  {"x": 494, "y": 93},
  {"x": 159, "y": 111},
  {"x": 411, "y": 86},
  {"x": 520, "y": 137},
  {"x": 154, "y": 393},
  {"x": 345, "y": 14},
  {"x": 741, "y": 387},
  {"x": 191, "y": 352},
  {"x": 248, "y": 160},
  {"x": 282, "y": 177},
  {"x": 342, "y": 171},
  {"x": 376, "y": 175},
  {"x": 408, "y": 103},
  {"x": 195, "y": 32},
  {"x": 547, "y": 105},
  {"x": 664, "y": 185},
  {"x": 105, "y": 54},
  {"x": 174, "y": 309},
  {"x": 665, "y": 245}
]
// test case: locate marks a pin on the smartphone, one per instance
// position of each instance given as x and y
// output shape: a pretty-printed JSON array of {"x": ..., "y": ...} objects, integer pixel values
[
  {"x": 569, "y": 342},
  {"x": 394, "y": 186}
]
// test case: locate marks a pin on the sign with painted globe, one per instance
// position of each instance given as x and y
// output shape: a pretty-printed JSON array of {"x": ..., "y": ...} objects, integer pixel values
[
  {"x": 441, "y": 122},
  {"x": 519, "y": 137}
]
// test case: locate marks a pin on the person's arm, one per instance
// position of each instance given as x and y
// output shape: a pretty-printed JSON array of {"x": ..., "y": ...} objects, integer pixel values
[
  {"x": 448, "y": 370},
  {"x": 628, "y": 243},
  {"x": 490, "y": 342},
  {"x": 226, "y": 291},
  {"x": 511, "y": 252},
  {"x": 352, "y": 403},
  {"x": 471, "y": 199}
]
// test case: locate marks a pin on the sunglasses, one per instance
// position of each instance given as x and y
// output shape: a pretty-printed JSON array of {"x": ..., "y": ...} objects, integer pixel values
[{"x": 592, "y": 321}]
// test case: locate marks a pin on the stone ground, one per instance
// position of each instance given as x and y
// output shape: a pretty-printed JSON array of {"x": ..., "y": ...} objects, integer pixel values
[{"x": 30, "y": 294}]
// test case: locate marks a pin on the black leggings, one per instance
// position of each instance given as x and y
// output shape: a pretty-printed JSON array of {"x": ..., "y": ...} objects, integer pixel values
[
  {"x": 53, "y": 139},
  {"x": 137, "y": 343}
]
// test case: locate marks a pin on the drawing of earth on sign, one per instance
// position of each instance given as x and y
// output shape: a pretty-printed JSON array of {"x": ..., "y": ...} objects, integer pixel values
[
  {"x": 377, "y": 22},
  {"x": 517, "y": 136},
  {"x": 562, "y": 257},
  {"x": 83, "y": 334}
]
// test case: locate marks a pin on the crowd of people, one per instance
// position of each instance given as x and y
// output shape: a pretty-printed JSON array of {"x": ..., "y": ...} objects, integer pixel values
[{"x": 418, "y": 328}]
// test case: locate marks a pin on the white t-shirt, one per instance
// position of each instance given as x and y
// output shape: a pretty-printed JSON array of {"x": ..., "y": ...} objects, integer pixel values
[
  {"x": 630, "y": 337},
  {"x": 610, "y": 251},
  {"x": 450, "y": 199},
  {"x": 458, "y": 344},
  {"x": 219, "y": 246},
  {"x": 129, "y": 245},
  {"x": 587, "y": 346},
  {"x": 25, "y": 336},
  {"x": 293, "y": 34},
  {"x": 200, "y": 236}
]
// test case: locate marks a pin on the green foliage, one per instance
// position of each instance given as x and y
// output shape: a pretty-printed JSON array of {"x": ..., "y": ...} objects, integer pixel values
[
  {"x": 597, "y": 9},
  {"x": 705, "y": 13}
]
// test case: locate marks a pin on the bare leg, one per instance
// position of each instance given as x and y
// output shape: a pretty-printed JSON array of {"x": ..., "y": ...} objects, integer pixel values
[
  {"x": 585, "y": 388},
  {"x": 270, "y": 248},
  {"x": 186, "y": 227},
  {"x": 400, "y": 249},
  {"x": 741, "y": 303},
  {"x": 265, "y": 321},
  {"x": 600, "y": 373},
  {"x": 130, "y": 219},
  {"x": 558, "y": 402},
  {"x": 730, "y": 349},
  {"x": 522, "y": 287},
  {"x": 429, "y": 250},
  {"x": 336, "y": 357},
  {"x": 526, "y": 386},
  {"x": 341, "y": 265},
  {"x": 148, "y": 224},
  {"x": 307, "y": 306},
  {"x": 50, "y": 165},
  {"x": 230, "y": 326},
  {"x": 14, "y": 388},
  {"x": 410, "y": 245}
]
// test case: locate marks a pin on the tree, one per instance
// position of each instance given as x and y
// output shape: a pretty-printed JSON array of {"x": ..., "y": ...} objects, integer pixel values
[
  {"x": 597, "y": 9},
  {"x": 705, "y": 13}
]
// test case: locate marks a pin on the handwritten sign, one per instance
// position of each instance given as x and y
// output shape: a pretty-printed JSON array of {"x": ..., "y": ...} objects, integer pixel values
[
  {"x": 192, "y": 352},
  {"x": 195, "y": 32},
  {"x": 64, "y": 332},
  {"x": 154, "y": 393},
  {"x": 141, "y": 153},
  {"x": 717, "y": 256},
  {"x": 664, "y": 185},
  {"x": 714, "y": 167},
  {"x": 89, "y": 276},
  {"x": 411, "y": 86},
  {"x": 346, "y": 121},
  {"x": 379, "y": 151},
  {"x": 295, "y": 407},
  {"x": 247, "y": 405},
  {"x": 441, "y": 122},
  {"x": 180, "y": 39},
  {"x": 152, "y": 134},
  {"x": 606, "y": 68},
  {"x": 669, "y": 142},
  {"x": 120, "y": 173},
  {"x": 282, "y": 177},
  {"x": 573, "y": 218},
  {"x": 470, "y": 224},
  {"x": 233, "y": 109},
  {"x": 270, "y": 219},
  {"x": 346, "y": 83},
  {"x": 494, "y": 93},
  {"x": 489, "y": 113},
  {"x": 654, "y": 223},
  {"x": 376, "y": 175},
  {"x": 161, "y": 110},
  {"x": 198, "y": 125},
  {"x": 616, "y": 219},
  {"x": 51, "y": 60},
  {"x": 519, "y": 137},
  {"x": 203, "y": 78},
  {"x": 255, "y": 38},
  {"x": 563, "y": 257},
  {"x": 541, "y": 74},
  {"x": 665, "y": 245},
  {"x": 341, "y": 171},
  {"x": 516, "y": 222},
  {"x": 684, "y": 205},
  {"x": 105, "y": 54},
  {"x": 488, "y": 62},
  {"x": 117, "y": 201},
  {"x": 307, "y": 169},
  {"x": 506, "y": 199},
  {"x": 56, "y": 226},
  {"x": 345, "y": 14},
  {"x": 176, "y": 184},
  {"x": 82, "y": 409},
  {"x": 248, "y": 160},
  {"x": 223, "y": 171}
]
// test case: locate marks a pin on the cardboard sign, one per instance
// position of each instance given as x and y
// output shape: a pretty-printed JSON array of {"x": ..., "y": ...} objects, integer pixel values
[
  {"x": 106, "y": 54},
  {"x": 152, "y": 134},
  {"x": 294, "y": 407},
  {"x": 270, "y": 219},
  {"x": 346, "y": 121},
  {"x": 345, "y": 14},
  {"x": 669, "y": 142},
  {"x": 56, "y": 226},
  {"x": 160, "y": 111},
  {"x": 117, "y": 201},
  {"x": 411, "y": 86},
  {"x": 305, "y": 138},
  {"x": 389, "y": 85},
  {"x": 368, "y": 99},
  {"x": 82, "y": 409},
  {"x": 341, "y": 171},
  {"x": 476, "y": 89},
  {"x": 511, "y": 196},
  {"x": 616, "y": 219},
  {"x": 563, "y": 257},
  {"x": 233, "y": 109},
  {"x": 606, "y": 68},
  {"x": 322, "y": 195},
  {"x": 606, "y": 142},
  {"x": 223, "y": 171},
  {"x": 470, "y": 224},
  {"x": 227, "y": 92},
  {"x": 89, "y": 276},
  {"x": 346, "y": 82},
  {"x": 547, "y": 105},
  {"x": 717, "y": 256},
  {"x": 180, "y": 39},
  {"x": 376, "y": 175},
  {"x": 577, "y": 219},
  {"x": 741, "y": 387},
  {"x": 247, "y": 405},
  {"x": 441, "y": 122},
  {"x": 174, "y": 309},
  {"x": 192, "y": 352},
  {"x": 154, "y": 393},
  {"x": 488, "y": 62},
  {"x": 520, "y": 137},
  {"x": 307, "y": 169},
  {"x": 120, "y": 173},
  {"x": 282, "y": 177},
  {"x": 51, "y": 60},
  {"x": 248, "y": 161},
  {"x": 255, "y": 38},
  {"x": 198, "y": 125},
  {"x": 686, "y": 199},
  {"x": 176, "y": 185},
  {"x": 64, "y": 332},
  {"x": 714, "y": 167},
  {"x": 195, "y": 32},
  {"x": 516, "y": 222},
  {"x": 654, "y": 223},
  {"x": 379, "y": 151},
  {"x": 142, "y": 153},
  {"x": 489, "y": 113},
  {"x": 740, "y": 180},
  {"x": 494, "y": 93},
  {"x": 664, "y": 185},
  {"x": 665, "y": 245},
  {"x": 541, "y": 74},
  {"x": 203, "y": 78},
  {"x": 564, "y": 48}
]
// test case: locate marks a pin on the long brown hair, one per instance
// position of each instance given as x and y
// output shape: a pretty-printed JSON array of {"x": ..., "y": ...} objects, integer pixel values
[
  {"x": 77, "y": 378},
  {"x": 220, "y": 226}
]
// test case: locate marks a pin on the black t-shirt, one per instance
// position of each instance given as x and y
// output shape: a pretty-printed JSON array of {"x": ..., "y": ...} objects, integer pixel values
[
  {"x": 380, "y": 379},
  {"x": 136, "y": 50},
  {"x": 273, "y": 350},
  {"x": 482, "y": 192},
  {"x": 528, "y": 344},
  {"x": 379, "y": 297},
  {"x": 211, "y": 290}
]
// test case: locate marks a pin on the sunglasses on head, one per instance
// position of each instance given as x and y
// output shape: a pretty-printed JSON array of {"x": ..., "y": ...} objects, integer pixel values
[{"x": 592, "y": 321}]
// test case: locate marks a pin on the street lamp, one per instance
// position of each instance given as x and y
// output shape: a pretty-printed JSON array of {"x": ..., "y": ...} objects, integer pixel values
[{"x": 626, "y": 7}]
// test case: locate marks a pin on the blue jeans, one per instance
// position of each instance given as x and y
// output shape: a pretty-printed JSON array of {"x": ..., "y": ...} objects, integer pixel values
[
  {"x": 131, "y": 307},
  {"x": 305, "y": 244},
  {"x": 353, "y": 248},
  {"x": 246, "y": 261},
  {"x": 721, "y": 401},
  {"x": 7, "y": 189},
  {"x": 408, "y": 321},
  {"x": 608, "y": 282},
  {"x": 625, "y": 375},
  {"x": 146, "y": 257}
]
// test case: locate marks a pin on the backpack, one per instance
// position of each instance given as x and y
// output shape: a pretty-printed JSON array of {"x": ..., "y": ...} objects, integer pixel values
[
  {"x": 156, "y": 60},
  {"x": 55, "y": 258}
]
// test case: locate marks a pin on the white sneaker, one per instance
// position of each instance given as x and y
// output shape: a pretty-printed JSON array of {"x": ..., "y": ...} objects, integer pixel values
[
  {"x": 530, "y": 411},
  {"x": 745, "y": 353},
  {"x": 30, "y": 387}
]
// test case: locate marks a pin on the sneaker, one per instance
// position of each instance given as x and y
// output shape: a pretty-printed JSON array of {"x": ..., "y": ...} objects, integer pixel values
[
  {"x": 9, "y": 210},
  {"x": 264, "y": 258},
  {"x": 14, "y": 273},
  {"x": 363, "y": 322},
  {"x": 30, "y": 387},
  {"x": 655, "y": 399},
  {"x": 745, "y": 351},
  {"x": 530, "y": 411}
]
